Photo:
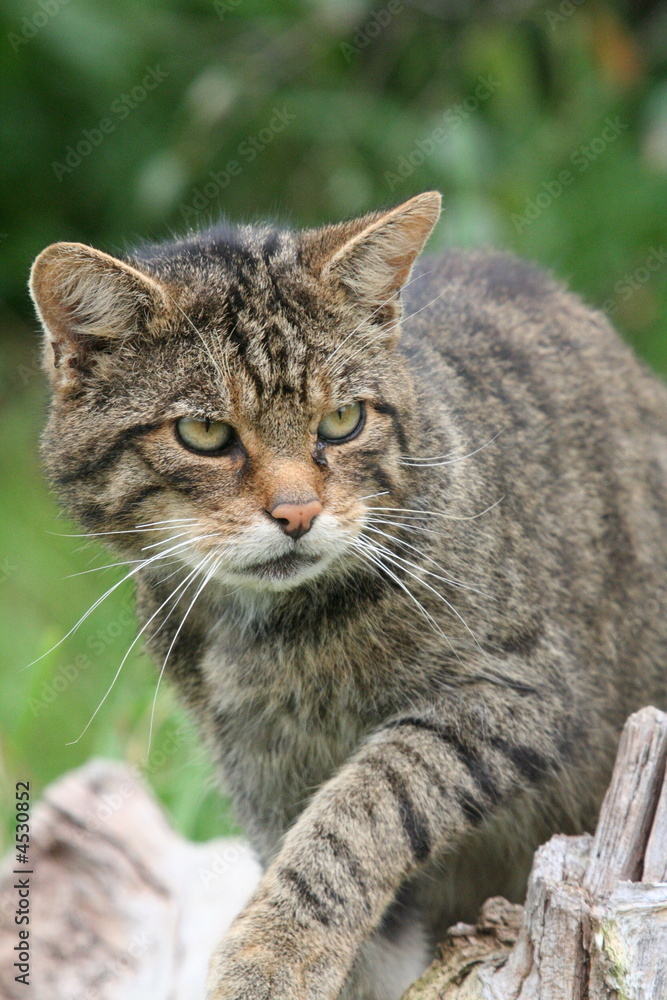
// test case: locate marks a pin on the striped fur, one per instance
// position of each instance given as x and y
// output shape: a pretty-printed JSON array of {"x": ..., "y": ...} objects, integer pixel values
[{"x": 439, "y": 680}]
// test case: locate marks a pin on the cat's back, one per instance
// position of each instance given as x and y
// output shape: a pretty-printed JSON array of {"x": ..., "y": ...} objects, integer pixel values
[
  {"x": 569, "y": 428},
  {"x": 500, "y": 336}
]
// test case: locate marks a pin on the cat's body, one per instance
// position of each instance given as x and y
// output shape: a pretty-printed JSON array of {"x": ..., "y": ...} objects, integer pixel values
[{"x": 421, "y": 716}]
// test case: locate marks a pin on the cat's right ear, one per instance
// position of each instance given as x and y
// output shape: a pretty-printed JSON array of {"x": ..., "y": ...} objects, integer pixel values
[
  {"x": 86, "y": 301},
  {"x": 370, "y": 258}
]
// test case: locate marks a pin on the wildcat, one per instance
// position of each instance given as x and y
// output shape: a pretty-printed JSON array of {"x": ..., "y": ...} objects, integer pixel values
[{"x": 401, "y": 543}]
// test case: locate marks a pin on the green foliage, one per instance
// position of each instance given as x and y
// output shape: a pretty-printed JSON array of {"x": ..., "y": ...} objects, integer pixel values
[{"x": 546, "y": 131}]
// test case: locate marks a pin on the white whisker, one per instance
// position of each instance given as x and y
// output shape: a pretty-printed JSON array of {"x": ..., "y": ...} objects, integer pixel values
[
  {"x": 368, "y": 550},
  {"x": 93, "y": 607},
  {"x": 98, "y": 569},
  {"x": 445, "y": 579},
  {"x": 206, "y": 579},
  {"x": 429, "y": 463},
  {"x": 163, "y": 541},
  {"x": 436, "y": 513},
  {"x": 123, "y": 661},
  {"x": 401, "y": 563},
  {"x": 124, "y": 531},
  {"x": 418, "y": 529},
  {"x": 367, "y": 318},
  {"x": 168, "y": 520}
]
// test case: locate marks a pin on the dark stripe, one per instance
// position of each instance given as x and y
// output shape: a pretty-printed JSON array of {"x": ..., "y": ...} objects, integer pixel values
[
  {"x": 493, "y": 677},
  {"x": 471, "y": 808},
  {"x": 133, "y": 501},
  {"x": 528, "y": 762},
  {"x": 330, "y": 892},
  {"x": 522, "y": 642},
  {"x": 412, "y": 821},
  {"x": 416, "y": 758},
  {"x": 468, "y": 757},
  {"x": 314, "y": 905},
  {"x": 392, "y": 412},
  {"x": 269, "y": 247},
  {"x": 382, "y": 479},
  {"x": 92, "y": 515},
  {"x": 342, "y": 852},
  {"x": 255, "y": 378},
  {"x": 94, "y": 465},
  {"x": 188, "y": 483}
]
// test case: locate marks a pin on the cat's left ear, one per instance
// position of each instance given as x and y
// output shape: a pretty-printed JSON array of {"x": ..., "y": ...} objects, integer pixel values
[
  {"x": 375, "y": 255},
  {"x": 89, "y": 302}
]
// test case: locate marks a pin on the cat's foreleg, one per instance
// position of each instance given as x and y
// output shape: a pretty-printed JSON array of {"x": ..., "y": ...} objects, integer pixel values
[
  {"x": 391, "y": 959},
  {"x": 411, "y": 792}
]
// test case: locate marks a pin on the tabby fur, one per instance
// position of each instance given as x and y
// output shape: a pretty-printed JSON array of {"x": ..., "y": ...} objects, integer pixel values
[{"x": 401, "y": 723}]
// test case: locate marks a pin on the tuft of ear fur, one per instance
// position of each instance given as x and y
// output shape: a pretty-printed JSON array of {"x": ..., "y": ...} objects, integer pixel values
[
  {"x": 371, "y": 258},
  {"x": 86, "y": 301},
  {"x": 376, "y": 263}
]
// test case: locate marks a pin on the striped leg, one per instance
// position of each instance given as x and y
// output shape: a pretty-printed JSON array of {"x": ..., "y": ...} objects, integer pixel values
[
  {"x": 390, "y": 960},
  {"x": 410, "y": 794}
]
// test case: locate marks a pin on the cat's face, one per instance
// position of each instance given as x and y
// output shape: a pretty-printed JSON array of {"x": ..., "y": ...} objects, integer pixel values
[{"x": 233, "y": 403}]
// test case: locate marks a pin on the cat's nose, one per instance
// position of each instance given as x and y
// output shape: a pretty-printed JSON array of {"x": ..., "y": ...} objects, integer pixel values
[{"x": 296, "y": 518}]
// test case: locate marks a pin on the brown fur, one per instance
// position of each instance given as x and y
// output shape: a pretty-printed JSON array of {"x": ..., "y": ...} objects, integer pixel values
[{"x": 401, "y": 726}]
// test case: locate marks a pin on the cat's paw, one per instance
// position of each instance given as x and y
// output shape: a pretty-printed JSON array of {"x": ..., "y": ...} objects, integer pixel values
[
  {"x": 254, "y": 973},
  {"x": 265, "y": 960}
]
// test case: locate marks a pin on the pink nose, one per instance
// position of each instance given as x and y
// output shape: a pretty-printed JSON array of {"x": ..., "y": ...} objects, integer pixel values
[{"x": 296, "y": 518}]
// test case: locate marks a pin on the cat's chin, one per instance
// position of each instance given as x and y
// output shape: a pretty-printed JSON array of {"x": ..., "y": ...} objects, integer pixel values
[{"x": 279, "y": 574}]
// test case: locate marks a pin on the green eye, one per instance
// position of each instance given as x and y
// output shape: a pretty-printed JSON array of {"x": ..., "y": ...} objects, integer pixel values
[
  {"x": 203, "y": 435},
  {"x": 342, "y": 424}
]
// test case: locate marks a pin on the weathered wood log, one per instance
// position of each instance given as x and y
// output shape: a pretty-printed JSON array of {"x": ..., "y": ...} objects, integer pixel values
[
  {"x": 124, "y": 907},
  {"x": 590, "y": 929}
]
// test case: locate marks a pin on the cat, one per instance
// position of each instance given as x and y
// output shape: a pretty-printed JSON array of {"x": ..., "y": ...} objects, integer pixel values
[{"x": 400, "y": 543}]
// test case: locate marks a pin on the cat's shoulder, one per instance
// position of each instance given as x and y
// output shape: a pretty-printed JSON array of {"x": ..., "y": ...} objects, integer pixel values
[
  {"x": 462, "y": 293},
  {"x": 485, "y": 276}
]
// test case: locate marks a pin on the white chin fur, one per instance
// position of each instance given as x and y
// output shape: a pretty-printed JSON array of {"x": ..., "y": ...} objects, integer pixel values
[{"x": 263, "y": 542}]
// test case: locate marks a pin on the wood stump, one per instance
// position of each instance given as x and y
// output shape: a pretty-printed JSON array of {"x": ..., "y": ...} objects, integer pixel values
[
  {"x": 594, "y": 925},
  {"x": 122, "y": 907}
]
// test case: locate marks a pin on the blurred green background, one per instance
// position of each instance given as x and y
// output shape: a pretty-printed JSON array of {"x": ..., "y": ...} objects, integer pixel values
[{"x": 544, "y": 125}]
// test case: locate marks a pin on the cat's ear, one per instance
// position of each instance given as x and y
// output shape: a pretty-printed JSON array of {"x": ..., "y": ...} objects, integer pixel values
[
  {"x": 371, "y": 258},
  {"x": 87, "y": 302}
]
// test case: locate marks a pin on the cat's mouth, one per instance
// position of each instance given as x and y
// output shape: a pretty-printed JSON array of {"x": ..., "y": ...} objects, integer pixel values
[{"x": 282, "y": 567}]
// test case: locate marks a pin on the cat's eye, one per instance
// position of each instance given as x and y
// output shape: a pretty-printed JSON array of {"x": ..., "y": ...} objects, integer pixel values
[
  {"x": 342, "y": 424},
  {"x": 204, "y": 435}
]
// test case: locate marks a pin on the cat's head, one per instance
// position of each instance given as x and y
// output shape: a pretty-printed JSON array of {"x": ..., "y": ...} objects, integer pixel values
[{"x": 231, "y": 400}]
